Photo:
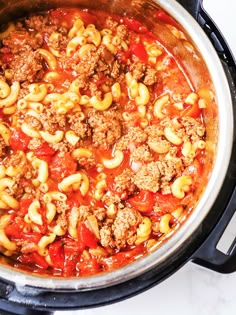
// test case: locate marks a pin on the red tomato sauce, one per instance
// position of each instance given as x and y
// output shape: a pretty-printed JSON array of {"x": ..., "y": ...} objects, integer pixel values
[{"x": 88, "y": 184}]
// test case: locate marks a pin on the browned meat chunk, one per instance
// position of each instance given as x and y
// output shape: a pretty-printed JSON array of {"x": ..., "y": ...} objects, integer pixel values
[
  {"x": 134, "y": 136},
  {"x": 26, "y": 66},
  {"x": 81, "y": 128},
  {"x": 125, "y": 226},
  {"x": 106, "y": 127},
  {"x": 123, "y": 230},
  {"x": 148, "y": 177},
  {"x": 52, "y": 121},
  {"x": 124, "y": 181},
  {"x": 141, "y": 154}
]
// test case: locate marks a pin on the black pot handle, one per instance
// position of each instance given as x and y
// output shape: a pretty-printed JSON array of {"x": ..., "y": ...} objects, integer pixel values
[
  {"x": 192, "y": 6},
  {"x": 211, "y": 254}
]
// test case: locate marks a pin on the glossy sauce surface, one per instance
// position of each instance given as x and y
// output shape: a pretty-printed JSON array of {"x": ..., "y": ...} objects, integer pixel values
[{"x": 103, "y": 148}]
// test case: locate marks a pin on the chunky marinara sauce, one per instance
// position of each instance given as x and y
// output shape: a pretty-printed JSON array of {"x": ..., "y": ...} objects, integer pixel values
[{"x": 102, "y": 141}]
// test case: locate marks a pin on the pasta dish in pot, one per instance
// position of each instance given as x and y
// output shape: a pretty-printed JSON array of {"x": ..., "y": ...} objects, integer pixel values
[{"x": 102, "y": 140}]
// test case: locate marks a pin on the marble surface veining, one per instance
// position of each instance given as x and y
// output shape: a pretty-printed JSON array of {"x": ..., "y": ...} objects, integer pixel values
[{"x": 192, "y": 290}]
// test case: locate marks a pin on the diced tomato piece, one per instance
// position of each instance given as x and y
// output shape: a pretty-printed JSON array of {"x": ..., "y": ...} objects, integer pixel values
[
  {"x": 165, "y": 18},
  {"x": 191, "y": 111},
  {"x": 7, "y": 58},
  {"x": 122, "y": 258},
  {"x": 143, "y": 202},
  {"x": 139, "y": 51},
  {"x": 56, "y": 253},
  {"x": 24, "y": 206},
  {"x": 114, "y": 262},
  {"x": 44, "y": 152},
  {"x": 32, "y": 237},
  {"x": 167, "y": 203},
  {"x": 75, "y": 199},
  {"x": 135, "y": 25},
  {"x": 71, "y": 252},
  {"x": 62, "y": 166},
  {"x": 13, "y": 230},
  {"x": 88, "y": 267},
  {"x": 19, "y": 140},
  {"x": 88, "y": 18},
  {"x": 34, "y": 259},
  {"x": 86, "y": 237}
]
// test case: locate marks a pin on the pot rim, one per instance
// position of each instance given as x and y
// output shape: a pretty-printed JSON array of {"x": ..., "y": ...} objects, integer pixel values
[{"x": 224, "y": 148}]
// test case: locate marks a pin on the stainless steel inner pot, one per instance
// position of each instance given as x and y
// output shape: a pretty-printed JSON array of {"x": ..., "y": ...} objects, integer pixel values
[{"x": 220, "y": 134}]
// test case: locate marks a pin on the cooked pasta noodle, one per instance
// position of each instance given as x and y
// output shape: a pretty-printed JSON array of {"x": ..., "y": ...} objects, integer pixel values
[{"x": 102, "y": 141}]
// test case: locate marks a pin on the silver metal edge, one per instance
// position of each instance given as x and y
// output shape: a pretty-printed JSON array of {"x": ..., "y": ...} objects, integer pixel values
[{"x": 207, "y": 200}]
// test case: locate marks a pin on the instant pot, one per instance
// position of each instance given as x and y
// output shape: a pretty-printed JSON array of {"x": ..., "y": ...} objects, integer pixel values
[{"x": 201, "y": 240}]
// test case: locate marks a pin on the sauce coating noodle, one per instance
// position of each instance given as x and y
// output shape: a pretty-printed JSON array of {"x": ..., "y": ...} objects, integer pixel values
[{"x": 102, "y": 141}]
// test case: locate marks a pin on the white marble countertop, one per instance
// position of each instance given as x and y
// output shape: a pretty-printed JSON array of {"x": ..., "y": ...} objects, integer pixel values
[{"x": 192, "y": 290}]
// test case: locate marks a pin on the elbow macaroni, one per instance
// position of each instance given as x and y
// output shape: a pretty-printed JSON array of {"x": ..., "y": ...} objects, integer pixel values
[
  {"x": 181, "y": 185},
  {"x": 11, "y": 98},
  {"x": 98, "y": 132}
]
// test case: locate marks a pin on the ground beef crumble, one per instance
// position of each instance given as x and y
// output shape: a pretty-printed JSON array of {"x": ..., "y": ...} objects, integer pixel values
[{"x": 106, "y": 127}]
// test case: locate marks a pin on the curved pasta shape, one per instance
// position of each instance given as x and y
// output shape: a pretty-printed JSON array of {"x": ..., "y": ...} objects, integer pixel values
[
  {"x": 92, "y": 35},
  {"x": 54, "y": 195},
  {"x": 58, "y": 230},
  {"x": 44, "y": 242},
  {"x": 165, "y": 223},
  {"x": 107, "y": 41},
  {"x": 100, "y": 189},
  {"x": 191, "y": 98},
  {"x": 9, "y": 200},
  {"x": 78, "y": 181},
  {"x": 33, "y": 213},
  {"x": 158, "y": 106},
  {"x": 5, "y": 89},
  {"x": 181, "y": 185},
  {"x": 29, "y": 131},
  {"x": 78, "y": 28},
  {"x": 6, "y": 183},
  {"x": 72, "y": 137},
  {"x": 133, "y": 89},
  {"x": 36, "y": 106},
  {"x": 9, "y": 110},
  {"x": 153, "y": 50},
  {"x": 51, "y": 98},
  {"x": 5, "y": 133},
  {"x": 12, "y": 97},
  {"x": 74, "y": 43},
  {"x": 5, "y": 242},
  {"x": 2, "y": 171},
  {"x": 144, "y": 95},
  {"x": 73, "y": 220},
  {"x": 172, "y": 136},
  {"x": 103, "y": 104},
  {"x": 81, "y": 152},
  {"x": 85, "y": 50},
  {"x": 51, "y": 76},
  {"x": 73, "y": 96},
  {"x": 144, "y": 230},
  {"x": 42, "y": 167},
  {"x": 49, "y": 58},
  {"x": 37, "y": 92},
  {"x": 116, "y": 90},
  {"x": 160, "y": 147},
  {"x": 48, "y": 137},
  {"x": 116, "y": 161},
  {"x": 3, "y": 205}
]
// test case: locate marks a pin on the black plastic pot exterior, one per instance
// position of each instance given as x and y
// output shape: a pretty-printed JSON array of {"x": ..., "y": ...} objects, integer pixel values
[{"x": 200, "y": 246}]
